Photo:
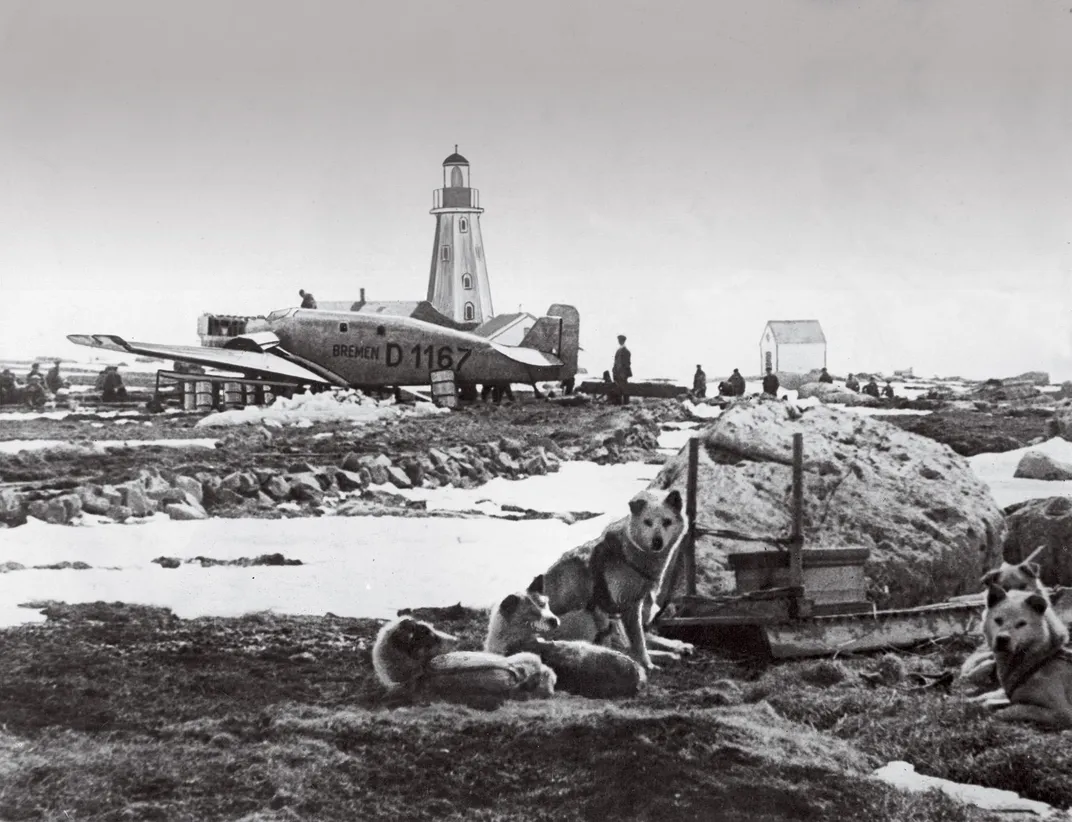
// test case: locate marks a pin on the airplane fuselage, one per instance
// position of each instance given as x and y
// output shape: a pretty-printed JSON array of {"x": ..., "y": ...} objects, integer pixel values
[{"x": 391, "y": 350}]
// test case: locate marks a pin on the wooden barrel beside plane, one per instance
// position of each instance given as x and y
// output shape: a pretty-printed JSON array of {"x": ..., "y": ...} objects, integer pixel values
[{"x": 352, "y": 349}]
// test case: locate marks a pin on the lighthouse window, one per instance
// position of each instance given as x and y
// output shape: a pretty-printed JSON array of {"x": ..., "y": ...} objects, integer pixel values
[
  {"x": 470, "y": 311},
  {"x": 463, "y": 225},
  {"x": 445, "y": 253},
  {"x": 467, "y": 281}
]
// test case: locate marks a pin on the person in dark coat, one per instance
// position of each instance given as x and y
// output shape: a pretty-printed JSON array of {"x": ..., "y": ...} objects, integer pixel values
[
  {"x": 871, "y": 388},
  {"x": 622, "y": 370},
  {"x": 8, "y": 387},
  {"x": 307, "y": 298},
  {"x": 113, "y": 389},
  {"x": 852, "y": 384},
  {"x": 52, "y": 379},
  {"x": 699, "y": 383},
  {"x": 35, "y": 371},
  {"x": 770, "y": 383},
  {"x": 887, "y": 391},
  {"x": 737, "y": 381},
  {"x": 824, "y": 376}
]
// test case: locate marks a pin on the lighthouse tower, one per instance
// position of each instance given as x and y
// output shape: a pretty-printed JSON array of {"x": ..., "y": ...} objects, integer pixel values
[{"x": 458, "y": 283}]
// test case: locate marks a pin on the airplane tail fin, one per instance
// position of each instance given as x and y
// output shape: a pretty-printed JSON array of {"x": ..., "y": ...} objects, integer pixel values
[{"x": 557, "y": 333}]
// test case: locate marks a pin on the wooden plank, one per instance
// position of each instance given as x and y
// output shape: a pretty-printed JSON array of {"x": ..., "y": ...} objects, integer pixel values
[
  {"x": 690, "y": 512},
  {"x": 796, "y": 566},
  {"x": 829, "y": 635}
]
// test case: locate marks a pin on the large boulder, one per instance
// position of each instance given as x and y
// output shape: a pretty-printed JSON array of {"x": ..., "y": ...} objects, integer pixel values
[
  {"x": 1039, "y": 466},
  {"x": 1046, "y": 521},
  {"x": 931, "y": 525}
]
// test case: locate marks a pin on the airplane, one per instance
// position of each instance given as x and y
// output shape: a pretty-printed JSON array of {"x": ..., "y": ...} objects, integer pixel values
[{"x": 322, "y": 348}]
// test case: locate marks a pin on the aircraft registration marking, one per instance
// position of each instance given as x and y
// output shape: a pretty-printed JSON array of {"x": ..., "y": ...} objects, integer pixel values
[{"x": 421, "y": 356}]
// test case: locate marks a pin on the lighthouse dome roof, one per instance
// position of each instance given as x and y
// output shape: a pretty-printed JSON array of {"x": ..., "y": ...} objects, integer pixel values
[{"x": 455, "y": 159}]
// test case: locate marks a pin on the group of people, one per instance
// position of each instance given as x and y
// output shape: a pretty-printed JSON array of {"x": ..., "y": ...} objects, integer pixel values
[
  {"x": 37, "y": 389},
  {"x": 734, "y": 385},
  {"x": 870, "y": 387}
]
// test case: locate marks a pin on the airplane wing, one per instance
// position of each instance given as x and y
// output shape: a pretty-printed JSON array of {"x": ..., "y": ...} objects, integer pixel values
[
  {"x": 250, "y": 363},
  {"x": 527, "y": 356}
]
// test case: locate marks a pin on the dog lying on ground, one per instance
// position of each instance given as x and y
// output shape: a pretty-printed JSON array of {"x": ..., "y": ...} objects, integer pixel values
[
  {"x": 580, "y": 667},
  {"x": 1034, "y": 662},
  {"x": 978, "y": 669},
  {"x": 615, "y": 588},
  {"x": 413, "y": 659}
]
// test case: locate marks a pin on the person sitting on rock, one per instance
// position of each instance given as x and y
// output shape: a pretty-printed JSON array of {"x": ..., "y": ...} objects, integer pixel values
[
  {"x": 725, "y": 389},
  {"x": 737, "y": 381},
  {"x": 887, "y": 391},
  {"x": 35, "y": 371},
  {"x": 770, "y": 383},
  {"x": 8, "y": 386},
  {"x": 699, "y": 383},
  {"x": 113, "y": 389},
  {"x": 852, "y": 384},
  {"x": 35, "y": 395},
  {"x": 871, "y": 388},
  {"x": 824, "y": 376}
]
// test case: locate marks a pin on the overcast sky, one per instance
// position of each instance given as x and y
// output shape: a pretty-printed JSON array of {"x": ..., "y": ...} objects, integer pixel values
[{"x": 900, "y": 170}]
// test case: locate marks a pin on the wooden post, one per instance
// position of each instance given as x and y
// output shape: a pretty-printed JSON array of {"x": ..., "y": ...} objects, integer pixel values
[
  {"x": 796, "y": 559},
  {"x": 690, "y": 512}
]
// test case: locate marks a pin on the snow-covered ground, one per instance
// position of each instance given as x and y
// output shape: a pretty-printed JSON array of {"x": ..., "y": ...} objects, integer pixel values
[
  {"x": 997, "y": 470},
  {"x": 353, "y": 566},
  {"x": 15, "y": 446},
  {"x": 303, "y": 410}
]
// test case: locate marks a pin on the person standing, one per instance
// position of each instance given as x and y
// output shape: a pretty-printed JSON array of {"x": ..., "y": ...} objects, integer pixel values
[
  {"x": 737, "y": 381},
  {"x": 770, "y": 383},
  {"x": 623, "y": 370},
  {"x": 52, "y": 378},
  {"x": 699, "y": 383}
]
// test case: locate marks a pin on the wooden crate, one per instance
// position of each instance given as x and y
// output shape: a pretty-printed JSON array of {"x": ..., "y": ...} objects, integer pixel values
[{"x": 832, "y": 576}]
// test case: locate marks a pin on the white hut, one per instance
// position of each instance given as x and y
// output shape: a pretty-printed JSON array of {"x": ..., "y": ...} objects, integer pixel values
[{"x": 792, "y": 346}]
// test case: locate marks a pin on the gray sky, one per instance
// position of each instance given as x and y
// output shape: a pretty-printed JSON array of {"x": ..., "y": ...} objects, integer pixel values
[{"x": 681, "y": 171}]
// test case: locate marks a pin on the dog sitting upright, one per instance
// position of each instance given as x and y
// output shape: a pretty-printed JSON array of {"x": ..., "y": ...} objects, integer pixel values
[
  {"x": 615, "y": 587},
  {"x": 978, "y": 669},
  {"x": 1034, "y": 663},
  {"x": 582, "y": 668},
  {"x": 413, "y": 659}
]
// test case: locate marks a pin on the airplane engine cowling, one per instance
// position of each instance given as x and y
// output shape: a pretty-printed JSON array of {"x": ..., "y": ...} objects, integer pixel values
[{"x": 261, "y": 341}]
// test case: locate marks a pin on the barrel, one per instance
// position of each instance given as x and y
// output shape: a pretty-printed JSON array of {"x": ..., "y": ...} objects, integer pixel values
[
  {"x": 189, "y": 396},
  {"x": 233, "y": 395},
  {"x": 203, "y": 392},
  {"x": 444, "y": 393}
]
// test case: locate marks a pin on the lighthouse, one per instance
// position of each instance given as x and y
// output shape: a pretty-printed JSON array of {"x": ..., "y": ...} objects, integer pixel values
[{"x": 458, "y": 283}]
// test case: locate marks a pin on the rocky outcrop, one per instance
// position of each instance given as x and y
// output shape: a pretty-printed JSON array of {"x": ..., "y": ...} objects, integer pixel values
[
  {"x": 1046, "y": 521},
  {"x": 931, "y": 526},
  {"x": 1040, "y": 466},
  {"x": 1031, "y": 378},
  {"x": 1062, "y": 419},
  {"x": 834, "y": 394}
]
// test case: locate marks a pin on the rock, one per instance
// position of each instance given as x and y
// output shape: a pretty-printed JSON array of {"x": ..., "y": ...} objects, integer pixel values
[
  {"x": 1046, "y": 521},
  {"x": 11, "y": 505},
  {"x": 348, "y": 480},
  {"x": 135, "y": 498},
  {"x": 931, "y": 526},
  {"x": 152, "y": 482},
  {"x": 241, "y": 482},
  {"x": 382, "y": 460},
  {"x": 414, "y": 471},
  {"x": 276, "y": 487},
  {"x": 1062, "y": 417},
  {"x": 92, "y": 501},
  {"x": 183, "y": 511},
  {"x": 306, "y": 488},
  {"x": 438, "y": 457},
  {"x": 535, "y": 465},
  {"x": 351, "y": 462},
  {"x": 191, "y": 487},
  {"x": 378, "y": 474},
  {"x": 167, "y": 562},
  {"x": 512, "y": 446},
  {"x": 507, "y": 462},
  {"x": 326, "y": 477},
  {"x": 38, "y": 509},
  {"x": 1039, "y": 466},
  {"x": 210, "y": 484},
  {"x": 225, "y": 497},
  {"x": 399, "y": 478},
  {"x": 1030, "y": 377},
  {"x": 365, "y": 475},
  {"x": 120, "y": 513}
]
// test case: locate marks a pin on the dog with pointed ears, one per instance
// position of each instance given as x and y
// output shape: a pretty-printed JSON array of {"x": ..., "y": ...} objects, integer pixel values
[{"x": 607, "y": 598}]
